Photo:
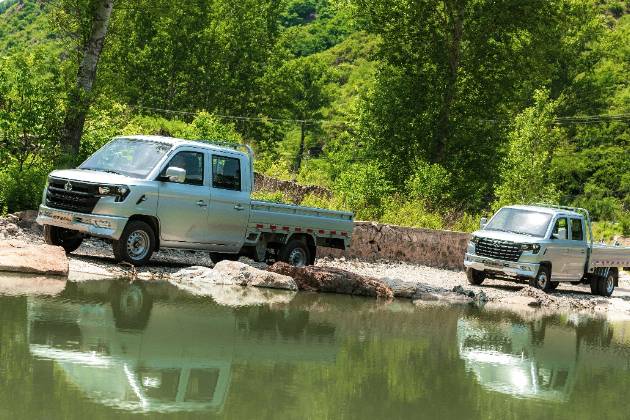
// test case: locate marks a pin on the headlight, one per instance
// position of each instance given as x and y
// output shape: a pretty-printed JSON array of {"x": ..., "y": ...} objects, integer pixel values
[
  {"x": 531, "y": 247},
  {"x": 474, "y": 239},
  {"x": 120, "y": 192}
]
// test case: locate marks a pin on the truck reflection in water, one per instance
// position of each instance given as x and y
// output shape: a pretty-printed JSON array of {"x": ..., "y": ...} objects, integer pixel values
[
  {"x": 149, "y": 347},
  {"x": 538, "y": 359}
]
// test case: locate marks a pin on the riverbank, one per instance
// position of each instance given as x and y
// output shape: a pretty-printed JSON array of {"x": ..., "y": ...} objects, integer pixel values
[{"x": 424, "y": 285}]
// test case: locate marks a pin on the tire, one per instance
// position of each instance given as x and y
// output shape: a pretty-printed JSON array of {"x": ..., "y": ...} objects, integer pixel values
[
  {"x": 131, "y": 305},
  {"x": 136, "y": 244},
  {"x": 542, "y": 280},
  {"x": 295, "y": 253},
  {"x": 68, "y": 239},
  {"x": 606, "y": 286},
  {"x": 475, "y": 277},
  {"x": 554, "y": 285},
  {"x": 216, "y": 257},
  {"x": 594, "y": 285},
  {"x": 576, "y": 283}
]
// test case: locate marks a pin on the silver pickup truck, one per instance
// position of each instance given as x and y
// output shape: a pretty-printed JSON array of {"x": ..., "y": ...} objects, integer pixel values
[
  {"x": 544, "y": 245},
  {"x": 150, "y": 192}
]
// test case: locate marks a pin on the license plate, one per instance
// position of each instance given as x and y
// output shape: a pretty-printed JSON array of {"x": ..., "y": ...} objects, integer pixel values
[
  {"x": 62, "y": 217},
  {"x": 491, "y": 263}
]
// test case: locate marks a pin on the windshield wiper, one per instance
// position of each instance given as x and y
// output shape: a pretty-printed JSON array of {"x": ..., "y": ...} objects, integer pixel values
[
  {"x": 111, "y": 171},
  {"x": 522, "y": 233}
]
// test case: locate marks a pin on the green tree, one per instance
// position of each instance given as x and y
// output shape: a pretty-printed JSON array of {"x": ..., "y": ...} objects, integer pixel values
[{"x": 525, "y": 173}]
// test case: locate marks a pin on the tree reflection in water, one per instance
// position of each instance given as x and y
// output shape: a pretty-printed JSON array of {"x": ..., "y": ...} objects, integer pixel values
[{"x": 101, "y": 349}]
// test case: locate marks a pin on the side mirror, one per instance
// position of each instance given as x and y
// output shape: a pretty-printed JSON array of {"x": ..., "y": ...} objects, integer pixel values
[
  {"x": 483, "y": 222},
  {"x": 175, "y": 174}
]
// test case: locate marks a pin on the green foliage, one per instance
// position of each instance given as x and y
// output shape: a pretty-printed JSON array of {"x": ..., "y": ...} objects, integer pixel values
[
  {"x": 418, "y": 112},
  {"x": 272, "y": 196},
  {"x": 399, "y": 211},
  {"x": 363, "y": 189},
  {"x": 525, "y": 171}
]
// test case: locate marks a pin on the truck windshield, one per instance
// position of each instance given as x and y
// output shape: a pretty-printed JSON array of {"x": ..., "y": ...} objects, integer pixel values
[
  {"x": 134, "y": 158},
  {"x": 521, "y": 221}
]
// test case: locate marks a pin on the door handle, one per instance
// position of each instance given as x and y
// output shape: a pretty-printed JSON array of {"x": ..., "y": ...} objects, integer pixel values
[
  {"x": 239, "y": 207},
  {"x": 202, "y": 203}
]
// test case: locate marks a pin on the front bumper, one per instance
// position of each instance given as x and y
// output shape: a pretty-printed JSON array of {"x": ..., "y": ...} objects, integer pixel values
[
  {"x": 508, "y": 268},
  {"x": 102, "y": 226}
]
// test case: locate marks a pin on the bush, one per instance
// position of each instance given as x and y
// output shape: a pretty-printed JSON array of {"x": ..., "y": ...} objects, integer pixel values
[
  {"x": 21, "y": 188},
  {"x": 272, "y": 196},
  {"x": 410, "y": 213},
  {"x": 362, "y": 188}
]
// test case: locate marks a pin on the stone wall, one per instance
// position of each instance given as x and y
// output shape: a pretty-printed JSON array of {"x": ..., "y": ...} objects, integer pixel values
[
  {"x": 374, "y": 241},
  {"x": 292, "y": 190}
]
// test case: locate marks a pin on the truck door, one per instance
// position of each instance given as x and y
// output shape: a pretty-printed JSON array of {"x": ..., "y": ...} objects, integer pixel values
[
  {"x": 230, "y": 204},
  {"x": 183, "y": 207},
  {"x": 576, "y": 249},
  {"x": 557, "y": 250}
]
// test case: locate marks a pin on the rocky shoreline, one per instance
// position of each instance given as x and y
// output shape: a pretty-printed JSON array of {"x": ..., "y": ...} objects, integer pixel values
[{"x": 194, "y": 272}]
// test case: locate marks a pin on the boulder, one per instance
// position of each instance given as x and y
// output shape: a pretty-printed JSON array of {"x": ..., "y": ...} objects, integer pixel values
[
  {"x": 333, "y": 280},
  {"x": 246, "y": 275},
  {"x": 232, "y": 273},
  {"x": 401, "y": 288},
  {"x": 21, "y": 257}
]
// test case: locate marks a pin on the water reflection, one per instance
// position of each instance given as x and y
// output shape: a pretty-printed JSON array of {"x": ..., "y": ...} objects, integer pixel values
[
  {"x": 105, "y": 349},
  {"x": 134, "y": 346},
  {"x": 537, "y": 359}
]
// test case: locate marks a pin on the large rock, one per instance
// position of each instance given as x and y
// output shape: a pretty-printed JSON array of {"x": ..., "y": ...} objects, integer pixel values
[
  {"x": 401, "y": 288},
  {"x": 246, "y": 275},
  {"x": 21, "y": 257},
  {"x": 232, "y": 273},
  {"x": 333, "y": 280}
]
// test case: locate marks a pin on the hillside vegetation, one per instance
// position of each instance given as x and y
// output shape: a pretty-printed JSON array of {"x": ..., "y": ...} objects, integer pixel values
[{"x": 416, "y": 112}]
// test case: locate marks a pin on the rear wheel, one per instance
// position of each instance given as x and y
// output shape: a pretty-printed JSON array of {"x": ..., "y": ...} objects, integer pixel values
[
  {"x": 295, "y": 253},
  {"x": 136, "y": 244},
  {"x": 475, "y": 277},
  {"x": 68, "y": 239}
]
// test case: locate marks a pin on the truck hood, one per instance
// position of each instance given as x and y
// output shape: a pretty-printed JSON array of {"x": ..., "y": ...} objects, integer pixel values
[
  {"x": 506, "y": 236},
  {"x": 96, "y": 177}
]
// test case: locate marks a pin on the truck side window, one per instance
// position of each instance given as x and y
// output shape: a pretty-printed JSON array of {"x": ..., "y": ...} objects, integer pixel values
[
  {"x": 192, "y": 163},
  {"x": 577, "y": 234},
  {"x": 226, "y": 173},
  {"x": 560, "y": 229}
]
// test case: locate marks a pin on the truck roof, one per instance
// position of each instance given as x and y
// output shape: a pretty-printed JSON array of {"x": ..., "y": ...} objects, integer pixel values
[
  {"x": 548, "y": 210},
  {"x": 174, "y": 141}
]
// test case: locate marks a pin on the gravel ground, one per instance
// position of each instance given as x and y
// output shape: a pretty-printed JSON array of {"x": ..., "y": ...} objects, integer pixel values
[
  {"x": 94, "y": 259},
  {"x": 565, "y": 296}
]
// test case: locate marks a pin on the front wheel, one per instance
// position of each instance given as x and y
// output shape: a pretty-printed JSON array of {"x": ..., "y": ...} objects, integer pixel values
[
  {"x": 68, "y": 239},
  {"x": 542, "y": 280},
  {"x": 475, "y": 277},
  {"x": 136, "y": 244}
]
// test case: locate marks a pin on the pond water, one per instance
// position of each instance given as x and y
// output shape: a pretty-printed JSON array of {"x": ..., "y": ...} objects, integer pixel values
[{"x": 109, "y": 349}]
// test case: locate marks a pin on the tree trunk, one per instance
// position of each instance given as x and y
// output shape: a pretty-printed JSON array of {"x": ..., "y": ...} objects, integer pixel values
[
  {"x": 300, "y": 153},
  {"x": 455, "y": 27},
  {"x": 79, "y": 97}
]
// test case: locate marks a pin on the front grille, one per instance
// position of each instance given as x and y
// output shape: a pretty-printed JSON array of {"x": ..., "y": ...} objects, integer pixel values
[
  {"x": 501, "y": 250},
  {"x": 81, "y": 197}
]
